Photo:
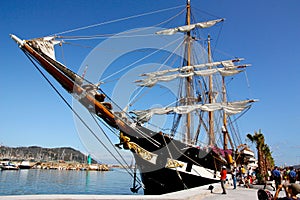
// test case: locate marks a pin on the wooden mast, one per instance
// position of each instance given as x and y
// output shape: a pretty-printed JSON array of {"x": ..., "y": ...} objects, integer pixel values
[
  {"x": 224, "y": 128},
  {"x": 189, "y": 79},
  {"x": 210, "y": 99},
  {"x": 226, "y": 136}
]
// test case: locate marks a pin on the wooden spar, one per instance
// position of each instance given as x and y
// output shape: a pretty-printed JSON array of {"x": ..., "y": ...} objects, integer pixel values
[
  {"x": 69, "y": 85},
  {"x": 224, "y": 130},
  {"x": 66, "y": 83},
  {"x": 189, "y": 79},
  {"x": 210, "y": 99}
]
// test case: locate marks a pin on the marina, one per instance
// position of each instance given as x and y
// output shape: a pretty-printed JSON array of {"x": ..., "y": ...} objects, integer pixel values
[
  {"x": 149, "y": 88},
  {"x": 53, "y": 166}
]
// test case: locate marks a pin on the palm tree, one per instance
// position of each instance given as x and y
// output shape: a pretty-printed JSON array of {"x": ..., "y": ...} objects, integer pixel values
[
  {"x": 269, "y": 161},
  {"x": 259, "y": 139},
  {"x": 266, "y": 151}
]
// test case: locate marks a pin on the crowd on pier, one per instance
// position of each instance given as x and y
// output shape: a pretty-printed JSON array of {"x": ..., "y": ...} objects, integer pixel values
[
  {"x": 241, "y": 176},
  {"x": 280, "y": 179},
  {"x": 284, "y": 175},
  {"x": 286, "y": 179}
]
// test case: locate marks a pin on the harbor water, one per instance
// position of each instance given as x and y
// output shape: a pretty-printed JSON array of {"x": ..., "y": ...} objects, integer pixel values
[{"x": 37, "y": 181}]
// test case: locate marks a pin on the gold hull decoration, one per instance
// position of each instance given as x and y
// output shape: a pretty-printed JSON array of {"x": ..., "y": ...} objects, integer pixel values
[
  {"x": 173, "y": 164},
  {"x": 143, "y": 153}
]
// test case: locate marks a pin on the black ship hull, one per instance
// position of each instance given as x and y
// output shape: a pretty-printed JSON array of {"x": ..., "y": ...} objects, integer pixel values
[
  {"x": 166, "y": 180},
  {"x": 172, "y": 165}
]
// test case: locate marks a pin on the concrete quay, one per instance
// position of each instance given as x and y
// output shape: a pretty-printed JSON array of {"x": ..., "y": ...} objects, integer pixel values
[{"x": 198, "y": 193}]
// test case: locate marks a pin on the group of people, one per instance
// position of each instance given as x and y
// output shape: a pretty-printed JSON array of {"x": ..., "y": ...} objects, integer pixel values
[
  {"x": 239, "y": 175},
  {"x": 285, "y": 175},
  {"x": 286, "y": 179},
  {"x": 291, "y": 192},
  {"x": 244, "y": 177}
]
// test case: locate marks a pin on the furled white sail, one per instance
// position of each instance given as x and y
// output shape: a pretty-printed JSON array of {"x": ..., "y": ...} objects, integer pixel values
[
  {"x": 46, "y": 45},
  {"x": 160, "y": 73},
  {"x": 151, "y": 81},
  {"x": 226, "y": 64},
  {"x": 230, "y": 108},
  {"x": 188, "y": 71},
  {"x": 188, "y": 28}
]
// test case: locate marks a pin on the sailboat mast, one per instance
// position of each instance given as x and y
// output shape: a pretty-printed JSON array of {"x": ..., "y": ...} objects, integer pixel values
[
  {"x": 189, "y": 79},
  {"x": 226, "y": 136},
  {"x": 224, "y": 128},
  {"x": 210, "y": 99}
]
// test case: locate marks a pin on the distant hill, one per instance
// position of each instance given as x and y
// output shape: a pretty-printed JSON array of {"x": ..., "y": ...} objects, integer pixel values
[{"x": 37, "y": 153}]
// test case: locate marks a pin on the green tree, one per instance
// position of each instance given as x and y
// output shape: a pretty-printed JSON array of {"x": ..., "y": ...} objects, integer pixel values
[
  {"x": 269, "y": 161},
  {"x": 259, "y": 139}
]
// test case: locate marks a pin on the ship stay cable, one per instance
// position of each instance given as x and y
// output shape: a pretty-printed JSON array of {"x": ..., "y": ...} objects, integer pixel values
[
  {"x": 217, "y": 40},
  {"x": 122, "y": 35},
  {"x": 111, "y": 36},
  {"x": 101, "y": 129},
  {"x": 195, "y": 162},
  {"x": 236, "y": 140},
  {"x": 135, "y": 99},
  {"x": 77, "y": 115},
  {"x": 150, "y": 139},
  {"x": 141, "y": 59},
  {"x": 180, "y": 152},
  {"x": 207, "y": 13},
  {"x": 103, "y": 80},
  {"x": 117, "y": 20},
  {"x": 166, "y": 60},
  {"x": 177, "y": 172}
]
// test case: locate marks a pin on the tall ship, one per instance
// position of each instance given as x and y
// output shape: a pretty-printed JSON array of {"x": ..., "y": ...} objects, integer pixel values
[{"x": 179, "y": 138}]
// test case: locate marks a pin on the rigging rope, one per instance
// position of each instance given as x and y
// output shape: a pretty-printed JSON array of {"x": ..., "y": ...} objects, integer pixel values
[
  {"x": 117, "y": 20},
  {"x": 127, "y": 165},
  {"x": 121, "y": 35},
  {"x": 112, "y": 36},
  {"x": 139, "y": 60},
  {"x": 150, "y": 139},
  {"x": 177, "y": 172},
  {"x": 248, "y": 83},
  {"x": 195, "y": 162},
  {"x": 141, "y": 89},
  {"x": 77, "y": 115}
]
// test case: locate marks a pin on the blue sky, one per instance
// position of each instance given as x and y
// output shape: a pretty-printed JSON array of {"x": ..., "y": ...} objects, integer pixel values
[{"x": 266, "y": 33}]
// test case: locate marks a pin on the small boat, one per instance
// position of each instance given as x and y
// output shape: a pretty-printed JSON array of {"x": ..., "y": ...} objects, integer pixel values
[
  {"x": 9, "y": 166},
  {"x": 25, "y": 165}
]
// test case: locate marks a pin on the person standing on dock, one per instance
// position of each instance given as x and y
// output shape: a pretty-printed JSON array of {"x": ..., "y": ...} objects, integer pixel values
[
  {"x": 223, "y": 178},
  {"x": 292, "y": 175},
  {"x": 234, "y": 173},
  {"x": 276, "y": 176}
]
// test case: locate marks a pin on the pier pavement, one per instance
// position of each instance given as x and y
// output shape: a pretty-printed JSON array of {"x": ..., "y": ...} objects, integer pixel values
[{"x": 198, "y": 193}]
